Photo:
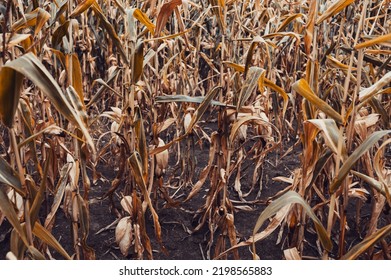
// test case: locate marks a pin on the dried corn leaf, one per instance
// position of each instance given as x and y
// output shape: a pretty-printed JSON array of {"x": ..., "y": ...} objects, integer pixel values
[
  {"x": 110, "y": 30},
  {"x": 250, "y": 84},
  {"x": 304, "y": 90},
  {"x": 235, "y": 66},
  {"x": 379, "y": 164},
  {"x": 292, "y": 254},
  {"x": 279, "y": 90},
  {"x": 165, "y": 124},
  {"x": 14, "y": 40},
  {"x": 164, "y": 13},
  {"x": 42, "y": 18},
  {"x": 60, "y": 190},
  {"x": 104, "y": 86},
  {"x": 136, "y": 166},
  {"x": 205, "y": 172},
  {"x": 9, "y": 177},
  {"x": 202, "y": 108},
  {"x": 35, "y": 254},
  {"x": 266, "y": 82},
  {"x": 188, "y": 99},
  {"x": 138, "y": 62},
  {"x": 285, "y": 200},
  {"x": 59, "y": 9},
  {"x": 126, "y": 203},
  {"x": 282, "y": 34},
  {"x": 355, "y": 156},
  {"x": 11, "y": 82},
  {"x": 218, "y": 7},
  {"x": 250, "y": 53},
  {"x": 272, "y": 226},
  {"x": 59, "y": 33},
  {"x": 367, "y": 243},
  {"x": 36, "y": 18},
  {"x": 164, "y": 72},
  {"x": 320, "y": 164},
  {"x": 77, "y": 77},
  {"x": 206, "y": 101},
  {"x": 334, "y": 9},
  {"x": 370, "y": 181},
  {"x": 141, "y": 142},
  {"x": 84, "y": 219},
  {"x": 331, "y": 134},
  {"x": 8, "y": 210},
  {"x": 287, "y": 21},
  {"x": 33, "y": 69},
  {"x": 39, "y": 197},
  {"x": 44, "y": 235},
  {"x": 309, "y": 28},
  {"x": 81, "y": 8},
  {"x": 243, "y": 120},
  {"x": 79, "y": 113},
  {"x": 167, "y": 37},
  {"x": 141, "y": 17},
  {"x": 335, "y": 63},
  {"x": 367, "y": 93},
  {"x": 17, "y": 200},
  {"x": 377, "y": 40}
]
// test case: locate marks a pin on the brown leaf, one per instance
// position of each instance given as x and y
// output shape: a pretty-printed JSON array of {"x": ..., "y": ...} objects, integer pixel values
[
  {"x": 165, "y": 12},
  {"x": 11, "y": 82}
]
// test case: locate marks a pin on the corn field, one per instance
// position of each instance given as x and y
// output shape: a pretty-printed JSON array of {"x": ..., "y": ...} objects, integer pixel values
[{"x": 162, "y": 114}]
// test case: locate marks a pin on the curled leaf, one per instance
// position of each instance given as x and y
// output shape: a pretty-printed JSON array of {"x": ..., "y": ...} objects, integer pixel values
[
  {"x": 355, "y": 156},
  {"x": 303, "y": 88},
  {"x": 287, "y": 199}
]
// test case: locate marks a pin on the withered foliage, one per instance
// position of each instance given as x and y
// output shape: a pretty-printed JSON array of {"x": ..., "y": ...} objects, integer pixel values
[{"x": 135, "y": 86}]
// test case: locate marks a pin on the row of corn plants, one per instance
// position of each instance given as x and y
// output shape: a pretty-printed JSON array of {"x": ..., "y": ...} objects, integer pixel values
[{"x": 133, "y": 85}]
